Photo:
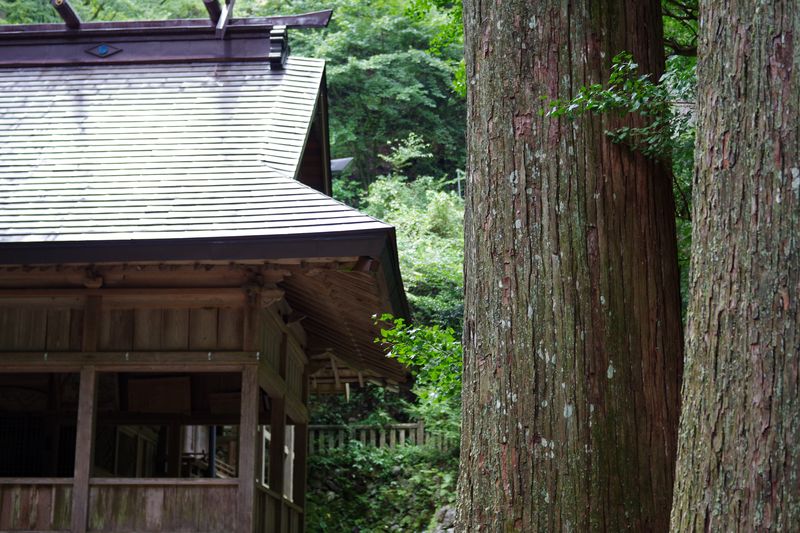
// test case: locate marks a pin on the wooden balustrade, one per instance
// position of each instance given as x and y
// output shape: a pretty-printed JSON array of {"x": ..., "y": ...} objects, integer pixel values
[
  {"x": 275, "y": 513},
  {"x": 325, "y": 437},
  {"x": 144, "y": 505},
  {"x": 155, "y": 505},
  {"x": 35, "y": 504}
]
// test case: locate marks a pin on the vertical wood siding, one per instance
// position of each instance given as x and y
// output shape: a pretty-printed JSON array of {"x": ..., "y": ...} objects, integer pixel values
[{"x": 41, "y": 506}]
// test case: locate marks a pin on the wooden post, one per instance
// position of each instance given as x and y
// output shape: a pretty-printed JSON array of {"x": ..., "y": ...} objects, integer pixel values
[
  {"x": 84, "y": 444},
  {"x": 420, "y": 433},
  {"x": 300, "y": 463},
  {"x": 276, "y": 445},
  {"x": 301, "y": 458},
  {"x": 248, "y": 433},
  {"x": 261, "y": 433}
]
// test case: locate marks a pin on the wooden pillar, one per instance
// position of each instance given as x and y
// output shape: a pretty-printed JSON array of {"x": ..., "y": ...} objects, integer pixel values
[
  {"x": 276, "y": 445},
  {"x": 300, "y": 466},
  {"x": 248, "y": 432},
  {"x": 84, "y": 444},
  {"x": 301, "y": 444}
]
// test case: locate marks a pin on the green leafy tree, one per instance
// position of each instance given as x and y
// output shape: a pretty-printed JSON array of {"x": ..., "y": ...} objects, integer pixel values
[
  {"x": 382, "y": 83},
  {"x": 38, "y": 11},
  {"x": 430, "y": 235},
  {"x": 435, "y": 358}
]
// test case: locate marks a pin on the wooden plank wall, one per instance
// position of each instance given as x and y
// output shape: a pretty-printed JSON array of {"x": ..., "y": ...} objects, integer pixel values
[
  {"x": 39, "y": 329},
  {"x": 179, "y": 507},
  {"x": 41, "y": 506}
]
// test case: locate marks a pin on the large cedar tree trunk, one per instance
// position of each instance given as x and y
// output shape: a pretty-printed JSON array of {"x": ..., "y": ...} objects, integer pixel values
[
  {"x": 739, "y": 445},
  {"x": 573, "y": 344}
]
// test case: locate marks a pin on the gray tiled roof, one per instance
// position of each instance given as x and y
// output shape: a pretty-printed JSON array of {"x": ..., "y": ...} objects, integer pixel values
[{"x": 126, "y": 152}]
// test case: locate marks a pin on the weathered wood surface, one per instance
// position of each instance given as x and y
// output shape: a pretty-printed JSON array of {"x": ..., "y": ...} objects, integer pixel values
[
  {"x": 157, "y": 122},
  {"x": 84, "y": 446},
  {"x": 275, "y": 514},
  {"x": 35, "y": 505},
  {"x": 163, "y": 507},
  {"x": 248, "y": 432},
  {"x": 166, "y": 322},
  {"x": 168, "y": 307}
]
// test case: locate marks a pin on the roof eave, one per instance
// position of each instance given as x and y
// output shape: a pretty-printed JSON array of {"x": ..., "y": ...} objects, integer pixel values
[{"x": 228, "y": 248}]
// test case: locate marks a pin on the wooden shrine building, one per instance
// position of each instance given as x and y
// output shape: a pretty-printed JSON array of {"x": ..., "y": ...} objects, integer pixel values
[{"x": 174, "y": 275}]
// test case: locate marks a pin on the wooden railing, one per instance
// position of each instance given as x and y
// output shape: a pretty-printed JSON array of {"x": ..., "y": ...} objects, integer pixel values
[
  {"x": 325, "y": 437},
  {"x": 274, "y": 513},
  {"x": 35, "y": 504},
  {"x": 142, "y": 505},
  {"x": 163, "y": 504}
]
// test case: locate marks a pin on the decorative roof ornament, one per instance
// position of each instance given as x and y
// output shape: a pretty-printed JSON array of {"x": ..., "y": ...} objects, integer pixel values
[
  {"x": 103, "y": 50},
  {"x": 278, "y": 47}
]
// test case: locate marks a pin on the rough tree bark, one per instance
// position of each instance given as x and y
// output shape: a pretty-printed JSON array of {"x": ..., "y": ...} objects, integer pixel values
[
  {"x": 573, "y": 344},
  {"x": 739, "y": 445}
]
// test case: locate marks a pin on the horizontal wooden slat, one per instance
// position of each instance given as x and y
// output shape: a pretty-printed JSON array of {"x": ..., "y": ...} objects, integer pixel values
[
  {"x": 195, "y": 361},
  {"x": 162, "y": 482},
  {"x": 167, "y": 298},
  {"x": 36, "y": 481}
]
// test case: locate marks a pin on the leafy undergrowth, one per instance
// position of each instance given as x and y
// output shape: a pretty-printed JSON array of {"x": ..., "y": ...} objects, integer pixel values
[{"x": 363, "y": 489}]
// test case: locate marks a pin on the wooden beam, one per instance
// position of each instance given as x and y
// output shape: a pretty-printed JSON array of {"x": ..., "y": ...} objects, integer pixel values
[
  {"x": 271, "y": 382},
  {"x": 84, "y": 443},
  {"x": 65, "y": 11},
  {"x": 248, "y": 434},
  {"x": 196, "y": 361},
  {"x": 296, "y": 410},
  {"x": 192, "y": 419},
  {"x": 224, "y": 18},
  {"x": 214, "y": 11},
  {"x": 157, "y": 482},
  {"x": 141, "y": 298}
]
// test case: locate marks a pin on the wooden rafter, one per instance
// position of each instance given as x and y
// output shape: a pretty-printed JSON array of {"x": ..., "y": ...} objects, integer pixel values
[
  {"x": 65, "y": 11},
  {"x": 214, "y": 11},
  {"x": 153, "y": 28},
  {"x": 224, "y": 18}
]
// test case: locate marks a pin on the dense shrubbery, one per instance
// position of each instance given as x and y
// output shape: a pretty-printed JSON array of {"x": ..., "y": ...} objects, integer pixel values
[{"x": 358, "y": 488}]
